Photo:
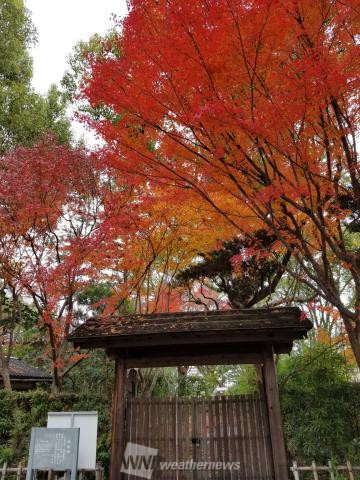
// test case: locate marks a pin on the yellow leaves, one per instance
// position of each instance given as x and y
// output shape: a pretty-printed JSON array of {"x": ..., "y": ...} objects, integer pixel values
[{"x": 341, "y": 341}]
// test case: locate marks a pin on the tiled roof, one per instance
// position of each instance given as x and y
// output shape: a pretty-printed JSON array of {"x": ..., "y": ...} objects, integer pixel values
[
  {"x": 262, "y": 319},
  {"x": 21, "y": 370}
]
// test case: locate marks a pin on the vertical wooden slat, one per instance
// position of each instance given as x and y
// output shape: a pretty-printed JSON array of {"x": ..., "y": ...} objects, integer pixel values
[
  {"x": 210, "y": 403},
  {"x": 129, "y": 415},
  {"x": 167, "y": 437},
  {"x": 155, "y": 433},
  {"x": 295, "y": 471},
  {"x": 187, "y": 452},
  {"x": 225, "y": 429},
  {"x": 350, "y": 470},
  {"x": 238, "y": 439},
  {"x": 149, "y": 436},
  {"x": 259, "y": 454},
  {"x": 200, "y": 435},
  {"x": 250, "y": 437},
  {"x": 118, "y": 419},
  {"x": 232, "y": 436},
  {"x": 176, "y": 434},
  {"x": 97, "y": 473},
  {"x": 184, "y": 435},
  {"x": 198, "y": 422},
  {"x": 205, "y": 435},
  {"x": 136, "y": 415},
  {"x": 314, "y": 470},
  {"x": 169, "y": 457},
  {"x": 220, "y": 446},
  {"x": 158, "y": 429},
  {"x": 243, "y": 439},
  {"x": 18, "y": 473},
  {"x": 268, "y": 461},
  {"x": 331, "y": 471},
  {"x": 164, "y": 427},
  {"x": 190, "y": 435},
  {"x": 274, "y": 412},
  {"x": 148, "y": 429},
  {"x": 179, "y": 430},
  {"x": 194, "y": 434},
  {"x": 260, "y": 434},
  {"x": 3, "y": 471}
]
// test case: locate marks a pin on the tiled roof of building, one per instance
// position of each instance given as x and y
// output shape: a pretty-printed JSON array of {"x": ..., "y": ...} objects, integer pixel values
[{"x": 21, "y": 370}]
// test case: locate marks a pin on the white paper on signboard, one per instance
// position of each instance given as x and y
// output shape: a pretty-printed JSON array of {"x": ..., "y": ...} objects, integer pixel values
[{"x": 87, "y": 422}]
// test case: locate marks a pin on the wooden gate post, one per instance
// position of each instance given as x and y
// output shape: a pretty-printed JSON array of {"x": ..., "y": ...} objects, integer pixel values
[
  {"x": 118, "y": 419},
  {"x": 274, "y": 412}
]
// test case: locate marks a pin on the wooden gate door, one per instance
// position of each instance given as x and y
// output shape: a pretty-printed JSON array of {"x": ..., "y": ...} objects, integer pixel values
[{"x": 218, "y": 438}]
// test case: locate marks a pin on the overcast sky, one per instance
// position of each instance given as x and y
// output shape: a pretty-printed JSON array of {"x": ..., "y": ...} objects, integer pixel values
[{"x": 60, "y": 25}]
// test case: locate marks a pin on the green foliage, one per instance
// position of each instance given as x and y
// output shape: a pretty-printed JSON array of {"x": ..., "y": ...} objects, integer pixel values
[
  {"x": 16, "y": 35},
  {"x": 83, "y": 55},
  {"x": 205, "y": 381},
  {"x": 92, "y": 300},
  {"x": 95, "y": 374},
  {"x": 90, "y": 297},
  {"x": 19, "y": 412},
  {"x": 245, "y": 383},
  {"x": 25, "y": 116},
  {"x": 321, "y": 406}
]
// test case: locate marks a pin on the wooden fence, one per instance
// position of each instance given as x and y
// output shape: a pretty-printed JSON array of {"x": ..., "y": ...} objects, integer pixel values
[
  {"x": 217, "y": 429},
  {"x": 329, "y": 471},
  {"x": 19, "y": 473}
]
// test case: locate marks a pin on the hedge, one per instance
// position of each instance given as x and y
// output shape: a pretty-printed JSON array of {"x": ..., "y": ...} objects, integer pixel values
[{"x": 20, "y": 411}]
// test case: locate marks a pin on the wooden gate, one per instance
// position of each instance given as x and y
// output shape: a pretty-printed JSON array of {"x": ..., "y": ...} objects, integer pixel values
[{"x": 219, "y": 438}]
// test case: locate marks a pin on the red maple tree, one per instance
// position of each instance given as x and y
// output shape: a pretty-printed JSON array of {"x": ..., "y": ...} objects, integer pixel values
[
  {"x": 253, "y": 108},
  {"x": 50, "y": 200}
]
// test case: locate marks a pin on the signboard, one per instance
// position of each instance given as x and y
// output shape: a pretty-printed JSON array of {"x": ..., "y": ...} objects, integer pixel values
[
  {"x": 87, "y": 422},
  {"x": 53, "y": 449}
]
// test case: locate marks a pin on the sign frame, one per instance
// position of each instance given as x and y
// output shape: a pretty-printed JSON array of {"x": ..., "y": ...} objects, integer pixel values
[
  {"x": 35, "y": 432},
  {"x": 88, "y": 422}
]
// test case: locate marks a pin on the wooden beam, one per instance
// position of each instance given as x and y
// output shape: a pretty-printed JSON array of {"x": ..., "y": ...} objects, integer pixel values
[
  {"x": 175, "y": 355},
  {"x": 118, "y": 419},
  {"x": 230, "y": 359},
  {"x": 274, "y": 413},
  {"x": 189, "y": 338}
]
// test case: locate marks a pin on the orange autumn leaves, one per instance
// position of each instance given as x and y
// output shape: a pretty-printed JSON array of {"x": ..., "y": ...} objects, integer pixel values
[
  {"x": 233, "y": 100},
  {"x": 253, "y": 109},
  {"x": 226, "y": 117}
]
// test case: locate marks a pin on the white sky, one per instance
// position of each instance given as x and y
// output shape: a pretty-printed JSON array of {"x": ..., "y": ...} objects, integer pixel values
[{"x": 60, "y": 25}]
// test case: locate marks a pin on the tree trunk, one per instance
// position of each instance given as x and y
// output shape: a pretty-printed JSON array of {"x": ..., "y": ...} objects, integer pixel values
[
  {"x": 6, "y": 379},
  {"x": 4, "y": 369},
  {"x": 182, "y": 373},
  {"x": 353, "y": 330},
  {"x": 56, "y": 382}
]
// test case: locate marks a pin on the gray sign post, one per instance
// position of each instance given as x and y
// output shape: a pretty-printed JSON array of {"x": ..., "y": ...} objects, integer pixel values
[{"x": 53, "y": 449}]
